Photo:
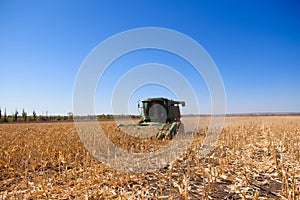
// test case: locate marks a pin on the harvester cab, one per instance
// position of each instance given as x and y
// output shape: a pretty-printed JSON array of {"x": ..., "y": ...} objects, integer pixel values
[{"x": 160, "y": 113}]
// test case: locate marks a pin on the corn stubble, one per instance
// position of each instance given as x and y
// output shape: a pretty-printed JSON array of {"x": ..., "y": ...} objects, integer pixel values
[{"x": 255, "y": 158}]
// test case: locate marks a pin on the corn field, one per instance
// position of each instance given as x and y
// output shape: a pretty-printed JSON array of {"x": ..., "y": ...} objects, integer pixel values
[{"x": 255, "y": 158}]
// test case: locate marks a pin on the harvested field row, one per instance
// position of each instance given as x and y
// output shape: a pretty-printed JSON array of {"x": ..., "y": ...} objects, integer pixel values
[{"x": 256, "y": 158}]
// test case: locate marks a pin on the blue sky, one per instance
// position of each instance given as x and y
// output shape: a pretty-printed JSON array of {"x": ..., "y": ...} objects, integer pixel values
[{"x": 255, "y": 45}]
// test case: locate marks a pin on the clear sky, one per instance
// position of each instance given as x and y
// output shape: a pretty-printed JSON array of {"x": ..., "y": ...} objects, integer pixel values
[{"x": 255, "y": 45}]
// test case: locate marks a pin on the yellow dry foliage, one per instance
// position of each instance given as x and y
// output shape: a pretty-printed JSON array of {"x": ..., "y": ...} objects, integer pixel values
[{"x": 256, "y": 158}]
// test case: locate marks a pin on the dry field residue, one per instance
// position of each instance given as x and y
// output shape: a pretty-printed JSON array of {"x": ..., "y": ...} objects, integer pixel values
[{"x": 256, "y": 158}]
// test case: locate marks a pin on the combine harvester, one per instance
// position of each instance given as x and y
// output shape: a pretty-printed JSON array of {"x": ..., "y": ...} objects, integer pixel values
[{"x": 159, "y": 116}]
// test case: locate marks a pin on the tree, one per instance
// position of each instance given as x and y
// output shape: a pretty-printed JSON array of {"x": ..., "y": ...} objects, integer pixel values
[
  {"x": 0, "y": 113},
  {"x": 34, "y": 115},
  {"x": 16, "y": 115},
  {"x": 5, "y": 116},
  {"x": 70, "y": 115},
  {"x": 24, "y": 115}
]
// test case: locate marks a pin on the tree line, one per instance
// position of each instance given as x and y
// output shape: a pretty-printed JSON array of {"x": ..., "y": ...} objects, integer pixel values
[
  {"x": 34, "y": 117},
  {"x": 24, "y": 117}
]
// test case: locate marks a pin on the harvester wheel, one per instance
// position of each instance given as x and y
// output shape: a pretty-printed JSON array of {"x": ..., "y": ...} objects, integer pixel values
[{"x": 180, "y": 128}]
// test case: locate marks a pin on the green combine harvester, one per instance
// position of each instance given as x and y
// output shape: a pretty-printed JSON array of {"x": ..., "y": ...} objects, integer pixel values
[{"x": 159, "y": 116}]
